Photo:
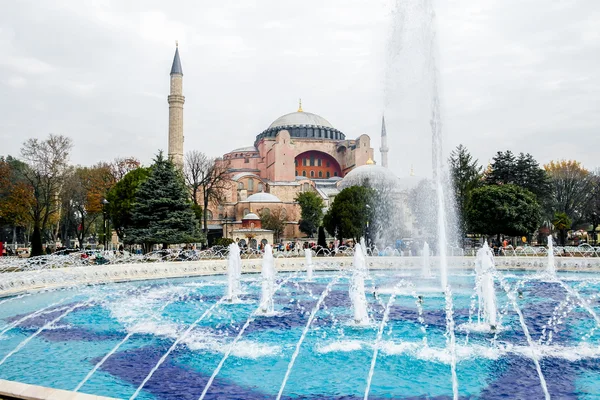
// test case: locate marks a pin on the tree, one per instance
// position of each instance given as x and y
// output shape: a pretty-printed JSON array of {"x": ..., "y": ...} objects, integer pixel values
[
  {"x": 349, "y": 216},
  {"x": 503, "y": 209},
  {"x": 208, "y": 179},
  {"x": 47, "y": 165},
  {"x": 562, "y": 223},
  {"x": 466, "y": 176},
  {"x": 311, "y": 215},
  {"x": 121, "y": 199},
  {"x": 321, "y": 241},
  {"x": 592, "y": 211},
  {"x": 572, "y": 188},
  {"x": 274, "y": 220},
  {"x": 162, "y": 212},
  {"x": 523, "y": 171},
  {"x": 84, "y": 190},
  {"x": 122, "y": 166},
  {"x": 15, "y": 195}
]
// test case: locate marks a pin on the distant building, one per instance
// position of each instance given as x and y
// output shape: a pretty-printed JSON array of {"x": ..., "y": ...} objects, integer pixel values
[{"x": 297, "y": 152}]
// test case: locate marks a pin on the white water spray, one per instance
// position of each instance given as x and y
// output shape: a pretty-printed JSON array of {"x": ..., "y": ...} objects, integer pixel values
[
  {"x": 234, "y": 273},
  {"x": 309, "y": 264},
  {"x": 484, "y": 284},
  {"x": 357, "y": 288},
  {"x": 551, "y": 267},
  {"x": 268, "y": 281},
  {"x": 426, "y": 268}
]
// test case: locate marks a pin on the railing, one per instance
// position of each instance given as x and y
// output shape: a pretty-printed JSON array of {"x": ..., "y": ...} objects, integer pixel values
[{"x": 90, "y": 257}]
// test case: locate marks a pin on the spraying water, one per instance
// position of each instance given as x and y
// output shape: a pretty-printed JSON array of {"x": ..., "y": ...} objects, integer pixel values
[
  {"x": 309, "y": 264},
  {"x": 426, "y": 269},
  {"x": 357, "y": 288},
  {"x": 234, "y": 273},
  {"x": 484, "y": 285},
  {"x": 268, "y": 281},
  {"x": 551, "y": 268}
]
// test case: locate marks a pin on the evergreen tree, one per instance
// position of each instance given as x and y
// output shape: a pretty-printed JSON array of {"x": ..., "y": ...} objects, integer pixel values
[
  {"x": 523, "y": 171},
  {"x": 350, "y": 213},
  {"x": 466, "y": 176},
  {"x": 162, "y": 212},
  {"x": 121, "y": 199},
  {"x": 312, "y": 212},
  {"x": 321, "y": 241}
]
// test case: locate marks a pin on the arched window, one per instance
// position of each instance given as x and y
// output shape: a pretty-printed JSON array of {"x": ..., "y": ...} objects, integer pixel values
[
  {"x": 260, "y": 187},
  {"x": 312, "y": 174},
  {"x": 328, "y": 174},
  {"x": 240, "y": 185},
  {"x": 335, "y": 173},
  {"x": 209, "y": 214},
  {"x": 303, "y": 173},
  {"x": 251, "y": 184},
  {"x": 320, "y": 174},
  {"x": 246, "y": 212}
]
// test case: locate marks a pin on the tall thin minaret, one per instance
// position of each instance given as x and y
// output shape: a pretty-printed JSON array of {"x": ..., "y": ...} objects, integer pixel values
[
  {"x": 384, "y": 147},
  {"x": 176, "y": 100}
]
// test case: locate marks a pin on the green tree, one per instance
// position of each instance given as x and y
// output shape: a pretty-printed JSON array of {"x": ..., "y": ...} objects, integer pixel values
[
  {"x": 466, "y": 176},
  {"x": 311, "y": 215},
  {"x": 274, "y": 220},
  {"x": 321, "y": 241},
  {"x": 503, "y": 209},
  {"x": 162, "y": 212},
  {"x": 350, "y": 213},
  {"x": 562, "y": 223},
  {"x": 523, "y": 171},
  {"x": 121, "y": 199}
]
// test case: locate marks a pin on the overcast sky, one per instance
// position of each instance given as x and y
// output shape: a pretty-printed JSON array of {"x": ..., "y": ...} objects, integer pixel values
[{"x": 515, "y": 74}]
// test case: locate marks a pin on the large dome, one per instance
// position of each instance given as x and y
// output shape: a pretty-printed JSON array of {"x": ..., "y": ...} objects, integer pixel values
[
  {"x": 300, "y": 118},
  {"x": 374, "y": 175},
  {"x": 302, "y": 124}
]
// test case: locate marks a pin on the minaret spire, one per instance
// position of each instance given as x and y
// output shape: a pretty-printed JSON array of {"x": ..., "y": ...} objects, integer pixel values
[
  {"x": 384, "y": 147},
  {"x": 300, "y": 105},
  {"x": 176, "y": 100}
]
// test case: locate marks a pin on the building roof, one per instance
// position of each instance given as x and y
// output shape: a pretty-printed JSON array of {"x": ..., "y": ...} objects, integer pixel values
[
  {"x": 176, "y": 67},
  {"x": 263, "y": 197},
  {"x": 300, "y": 118},
  {"x": 251, "y": 216},
  {"x": 244, "y": 149}
]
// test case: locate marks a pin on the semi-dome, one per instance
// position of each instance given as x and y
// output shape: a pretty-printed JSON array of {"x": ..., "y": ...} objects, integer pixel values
[
  {"x": 300, "y": 118},
  {"x": 263, "y": 197},
  {"x": 374, "y": 175}
]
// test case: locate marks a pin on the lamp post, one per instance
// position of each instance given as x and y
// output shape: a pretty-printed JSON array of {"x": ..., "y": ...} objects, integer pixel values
[
  {"x": 104, "y": 204},
  {"x": 226, "y": 232}
]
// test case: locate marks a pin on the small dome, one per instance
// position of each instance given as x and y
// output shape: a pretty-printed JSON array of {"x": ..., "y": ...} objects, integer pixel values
[
  {"x": 263, "y": 197},
  {"x": 300, "y": 118},
  {"x": 375, "y": 175},
  {"x": 251, "y": 216}
]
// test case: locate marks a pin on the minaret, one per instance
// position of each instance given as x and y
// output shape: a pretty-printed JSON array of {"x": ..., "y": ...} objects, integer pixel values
[
  {"x": 176, "y": 101},
  {"x": 384, "y": 147}
]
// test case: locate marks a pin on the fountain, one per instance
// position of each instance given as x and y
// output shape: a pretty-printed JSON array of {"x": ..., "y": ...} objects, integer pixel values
[
  {"x": 550, "y": 268},
  {"x": 426, "y": 268},
  {"x": 309, "y": 264},
  {"x": 234, "y": 273},
  {"x": 484, "y": 286},
  {"x": 268, "y": 281},
  {"x": 357, "y": 288}
]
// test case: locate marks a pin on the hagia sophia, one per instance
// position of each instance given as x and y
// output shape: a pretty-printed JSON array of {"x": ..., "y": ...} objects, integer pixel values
[{"x": 297, "y": 152}]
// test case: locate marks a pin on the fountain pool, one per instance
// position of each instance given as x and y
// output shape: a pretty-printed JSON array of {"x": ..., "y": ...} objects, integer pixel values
[{"x": 181, "y": 338}]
